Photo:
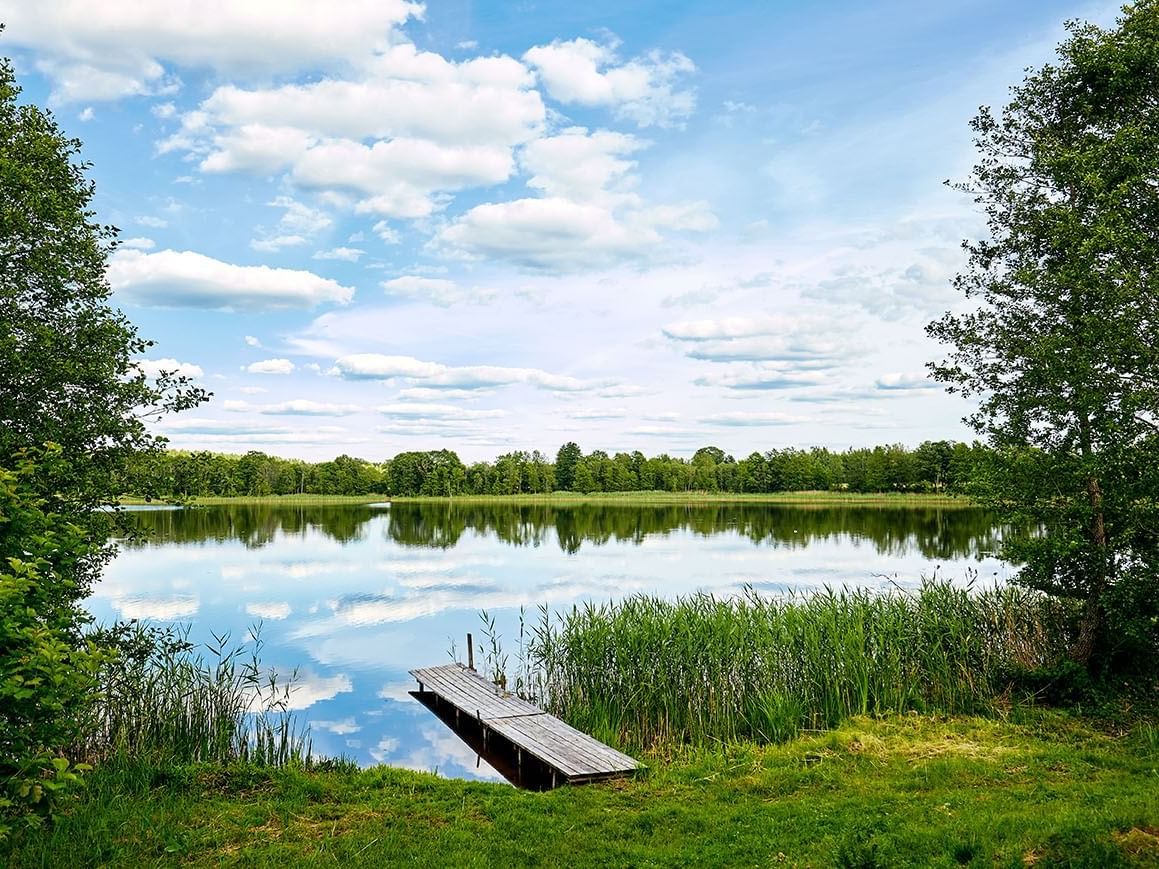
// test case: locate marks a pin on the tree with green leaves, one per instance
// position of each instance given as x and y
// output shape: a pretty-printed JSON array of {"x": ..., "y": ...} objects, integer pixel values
[
  {"x": 73, "y": 406},
  {"x": 566, "y": 461},
  {"x": 1060, "y": 342}
]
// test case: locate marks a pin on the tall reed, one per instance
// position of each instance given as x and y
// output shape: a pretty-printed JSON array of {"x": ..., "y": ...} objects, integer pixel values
[
  {"x": 697, "y": 669},
  {"x": 164, "y": 700}
]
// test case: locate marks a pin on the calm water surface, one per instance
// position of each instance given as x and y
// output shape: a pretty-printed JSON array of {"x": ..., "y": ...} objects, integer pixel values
[{"x": 353, "y": 597}]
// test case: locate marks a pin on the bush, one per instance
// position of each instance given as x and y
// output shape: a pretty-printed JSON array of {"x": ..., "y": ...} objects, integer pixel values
[{"x": 46, "y": 672}]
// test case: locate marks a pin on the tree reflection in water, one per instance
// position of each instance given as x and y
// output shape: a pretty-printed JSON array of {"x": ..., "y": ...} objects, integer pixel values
[{"x": 936, "y": 533}]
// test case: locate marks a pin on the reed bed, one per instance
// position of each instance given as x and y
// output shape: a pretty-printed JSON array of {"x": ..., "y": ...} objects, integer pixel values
[
  {"x": 162, "y": 700},
  {"x": 646, "y": 671}
]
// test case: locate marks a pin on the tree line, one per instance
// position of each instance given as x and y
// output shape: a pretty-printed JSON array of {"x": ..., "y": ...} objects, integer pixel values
[{"x": 933, "y": 466}]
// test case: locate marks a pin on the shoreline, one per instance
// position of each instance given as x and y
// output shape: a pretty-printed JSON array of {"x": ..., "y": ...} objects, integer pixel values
[{"x": 803, "y": 499}]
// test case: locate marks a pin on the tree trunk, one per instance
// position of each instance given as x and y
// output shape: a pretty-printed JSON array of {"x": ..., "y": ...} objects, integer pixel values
[{"x": 1091, "y": 625}]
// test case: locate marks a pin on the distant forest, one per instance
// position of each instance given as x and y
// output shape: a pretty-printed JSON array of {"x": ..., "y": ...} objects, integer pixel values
[{"x": 934, "y": 466}]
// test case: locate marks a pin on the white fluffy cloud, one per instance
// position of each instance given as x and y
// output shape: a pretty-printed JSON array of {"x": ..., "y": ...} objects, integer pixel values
[
  {"x": 400, "y": 133},
  {"x": 119, "y": 48},
  {"x": 152, "y": 368},
  {"x": 184, "y": 279},
  {"x": 645, "y": 90},
  {"x": 271, "y": 366},
  {"x": 588, "y": 217}
]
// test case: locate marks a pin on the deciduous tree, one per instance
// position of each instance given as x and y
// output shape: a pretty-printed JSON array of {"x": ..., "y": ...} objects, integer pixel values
[{"x": 1061, "y": 343}]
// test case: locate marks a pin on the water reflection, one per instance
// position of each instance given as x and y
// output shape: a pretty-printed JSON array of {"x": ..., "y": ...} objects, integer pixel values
[
  {"x": 355, "y": 596},
  {"x": 936, "y": 533}
]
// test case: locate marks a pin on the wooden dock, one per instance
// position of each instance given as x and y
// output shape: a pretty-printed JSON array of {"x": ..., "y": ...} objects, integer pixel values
[{"x": 528, "y": 746}]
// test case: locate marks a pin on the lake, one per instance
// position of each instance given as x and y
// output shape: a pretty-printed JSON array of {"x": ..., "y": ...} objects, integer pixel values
[{"x": 355, "y": 596}]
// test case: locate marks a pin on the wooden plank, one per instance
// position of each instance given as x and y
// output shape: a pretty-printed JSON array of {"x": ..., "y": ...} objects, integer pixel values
[
  {"x": 562, "y": 747},
  {"x": 591, "y": 751}
]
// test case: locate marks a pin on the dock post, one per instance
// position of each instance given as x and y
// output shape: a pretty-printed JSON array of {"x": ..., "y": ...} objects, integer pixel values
[{"x": 470, "y": 653}]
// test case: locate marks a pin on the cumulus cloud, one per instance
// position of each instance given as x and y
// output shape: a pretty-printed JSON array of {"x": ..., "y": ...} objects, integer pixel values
[
  {"x": 271, "y": 366},
  {"x": 120, "y": 48},
  {"x": 294, "y": 407},
  {"x": 184, "y": 279},
  {"x": 399, "y": 135},
  {"x": 252, "y": 341},
  {"x": 374, "y": 366},
  {"x": 153, "y": 368},
  {"x": 647, "y": 90},
  {"x": 588, "y": 215}
]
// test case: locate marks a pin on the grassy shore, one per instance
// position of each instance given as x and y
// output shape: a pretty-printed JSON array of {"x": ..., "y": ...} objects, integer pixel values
[
  {"x": 1040, "y": 788},
  {"x": 870, "y": 499},
  {"x": 270, "y": 500}
]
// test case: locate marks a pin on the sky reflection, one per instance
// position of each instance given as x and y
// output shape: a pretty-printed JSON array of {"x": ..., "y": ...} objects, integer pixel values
[{"x": 353, "y": 601}]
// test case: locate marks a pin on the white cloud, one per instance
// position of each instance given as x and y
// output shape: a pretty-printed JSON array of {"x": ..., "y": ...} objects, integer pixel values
[
  {"x": 763, "y": 377},
  {"x": 645, "y": 90},
  {"x": 297, "y": 223},
  {"x": 403, "y": 131},
  {"x": 152, "y": 368},
  {"x": 374, "y": 366},
  {"x": 437, "y": 291},
  {"x": 309, "y": 689},
  {"x": 742, "y": 418},
  {"x": 343, "y": 254},
  {"x": 419, "y": 411},
  {"x": 272, "y": 610},
  {"x": 342, "y": 728},
  {"x": 905, "y": 380},
  {"x": 399, "y": 178},
  {"x": 386, "y": 233},
  {"x": 186, "y": 279},
  {"x": 159, "y": 608},
  {"x": 151, "y": 222},
  {"x": 138, "y": 243},
  {"x": 120, "y": 47},
  {"x": 273, "y": 244},
  {"x": 252, "y": 341},
  {"x": 271, "y": 366},
  {"x": 589, "y": 216},
  {"x": 294, "y": 407},
  {"x": 579, "y": 165}
]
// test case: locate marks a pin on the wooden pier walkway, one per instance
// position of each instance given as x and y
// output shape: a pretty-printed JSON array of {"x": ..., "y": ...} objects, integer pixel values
[{"x": 540, "y": 750}]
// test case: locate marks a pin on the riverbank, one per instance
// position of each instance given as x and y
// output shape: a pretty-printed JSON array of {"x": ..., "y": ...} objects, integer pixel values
[
  {"x": 1039, "y": 787},
  {"x": 801, "y": 499}
]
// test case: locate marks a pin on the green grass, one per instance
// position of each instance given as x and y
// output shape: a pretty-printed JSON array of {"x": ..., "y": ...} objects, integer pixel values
[
  {"x": 165, "y": 701},
  {"x": 765, "y": 668},
  {"x": 1040, "y": 789},
  {"x": 890, "y": 499},
  {"x": 870, "y": 499},
  {"x": 303, "y": 500}
]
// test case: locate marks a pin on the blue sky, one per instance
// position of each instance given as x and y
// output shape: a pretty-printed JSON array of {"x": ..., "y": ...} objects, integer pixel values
[{"x": 372, "y": 226}]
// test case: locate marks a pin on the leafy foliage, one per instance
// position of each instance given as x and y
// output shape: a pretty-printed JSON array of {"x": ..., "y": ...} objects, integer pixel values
[
  {"x": 46, "y": 674},
  {"x": 1059, "y": 346},
  {"x": 73, "y": 406}
]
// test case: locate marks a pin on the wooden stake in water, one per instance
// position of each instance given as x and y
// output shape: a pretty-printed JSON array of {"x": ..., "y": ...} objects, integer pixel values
[{"x": 470, "y": 653}]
